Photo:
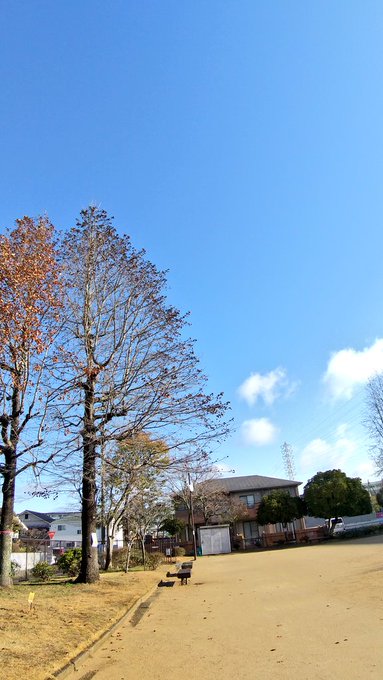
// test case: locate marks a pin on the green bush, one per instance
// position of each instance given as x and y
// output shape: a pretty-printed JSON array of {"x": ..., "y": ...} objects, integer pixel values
[
  {"x": 15, "y": 567},
  {"x": 153, "y": 560},
  {"x": 43, "y": 571},
  {"x": 179, "y": 551},
  {"x": 119, "y": 558},
  {"x": 69, "y": 563}
]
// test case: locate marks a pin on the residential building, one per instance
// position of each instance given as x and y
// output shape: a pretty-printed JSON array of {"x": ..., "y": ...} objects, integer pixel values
[
  {"x": 246, "y": 492},
  {"x": 32, "y": 519},
  {"x": 62, "y": 528}
]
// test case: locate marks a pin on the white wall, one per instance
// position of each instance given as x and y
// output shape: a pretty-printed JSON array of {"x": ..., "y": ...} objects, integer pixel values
[
  {"x": 27, "y": 560},
  {"x": 215, "y": 540},
  {"x": 72, "y": 533}
]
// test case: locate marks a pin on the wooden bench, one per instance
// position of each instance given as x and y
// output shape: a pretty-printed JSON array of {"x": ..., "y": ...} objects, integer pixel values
[
  {"x": 187, "y": 565},
  {"x": 183, "y": 573}
]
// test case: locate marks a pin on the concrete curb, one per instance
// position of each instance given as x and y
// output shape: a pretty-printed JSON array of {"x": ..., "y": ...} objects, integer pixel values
[{"x": 72, "y": 666}]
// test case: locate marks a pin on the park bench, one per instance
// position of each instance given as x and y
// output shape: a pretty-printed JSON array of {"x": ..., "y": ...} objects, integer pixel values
[
  {"x": 187, "y": 565},
  {"x": 183, "y": 573}
]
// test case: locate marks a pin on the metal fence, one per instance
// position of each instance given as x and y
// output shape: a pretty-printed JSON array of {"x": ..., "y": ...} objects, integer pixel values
[{"x": 26, "y": 560}]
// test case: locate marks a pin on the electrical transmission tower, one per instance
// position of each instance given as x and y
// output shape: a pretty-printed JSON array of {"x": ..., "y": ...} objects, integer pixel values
[{"x": 288, "y": 460}]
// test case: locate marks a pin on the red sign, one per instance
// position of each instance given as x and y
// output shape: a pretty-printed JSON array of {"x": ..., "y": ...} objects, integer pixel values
[{"x": 51, "y": 534}]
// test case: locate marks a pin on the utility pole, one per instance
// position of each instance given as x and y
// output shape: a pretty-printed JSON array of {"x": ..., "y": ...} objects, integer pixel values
[{"x": 191, "y": 489}]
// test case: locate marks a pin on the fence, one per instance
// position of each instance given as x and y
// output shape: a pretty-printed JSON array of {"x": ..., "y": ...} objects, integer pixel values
[
  {"x": 27, "y": 560},
  {"x": 311, "y": 535},
  {"x": 156, "y": 545},
  {"x": 163, "y": 544},
  {"x": 277, "y": 538}
]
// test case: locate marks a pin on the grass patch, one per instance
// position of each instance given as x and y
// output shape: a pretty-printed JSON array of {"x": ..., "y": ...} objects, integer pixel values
[{"x": 65, "y": 620}]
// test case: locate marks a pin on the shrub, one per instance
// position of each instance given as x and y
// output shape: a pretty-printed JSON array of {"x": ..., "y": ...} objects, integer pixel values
[
  {"x": 69, "y": 563},
  {"x": 119, "y": 558},
  {"x": 15, "y": 567},
  {"x": 179, "y": 551},
  {"x": 43, "y": 571},
  {"x": 153, "y": 560}
]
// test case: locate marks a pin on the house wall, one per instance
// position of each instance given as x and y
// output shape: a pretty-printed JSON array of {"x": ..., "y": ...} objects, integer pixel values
[
  {"x": 68, "y": 531},
  {"x": 32, "y": 521}
]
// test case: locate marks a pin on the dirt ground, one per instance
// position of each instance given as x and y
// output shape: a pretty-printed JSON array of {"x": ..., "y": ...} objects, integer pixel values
[
  {"x": 313, "y": 612},
  {"x": 66, "y": 618}
]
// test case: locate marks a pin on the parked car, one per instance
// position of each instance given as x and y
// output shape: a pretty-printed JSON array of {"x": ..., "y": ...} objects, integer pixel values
[{"x": 337, "y": 525}]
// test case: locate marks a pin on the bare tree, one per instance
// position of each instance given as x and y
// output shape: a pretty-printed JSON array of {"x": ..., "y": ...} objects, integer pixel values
[
  {"x": 210, "y": 500},
  {"x": 374, "y": 420},
  {"x": 126, "y": 364},
  {"x": 146, "y": 510},
  {"x": 127, "y": 470},
  {"x": 29, "y": 306}
]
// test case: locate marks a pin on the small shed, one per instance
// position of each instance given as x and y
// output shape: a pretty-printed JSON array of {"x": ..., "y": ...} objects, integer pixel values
[{"x": 215, "y": 540}]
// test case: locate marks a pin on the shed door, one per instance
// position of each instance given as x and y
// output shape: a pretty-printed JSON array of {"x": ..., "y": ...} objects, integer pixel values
[{"x": 215, "y": 541}]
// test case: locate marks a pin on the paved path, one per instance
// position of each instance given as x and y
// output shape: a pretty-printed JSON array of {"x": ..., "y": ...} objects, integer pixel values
[{"x": 313, "y": 612}]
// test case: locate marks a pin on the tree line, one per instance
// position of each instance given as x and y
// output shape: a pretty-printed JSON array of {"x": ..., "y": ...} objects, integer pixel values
[{"x": 93, "y": 357}]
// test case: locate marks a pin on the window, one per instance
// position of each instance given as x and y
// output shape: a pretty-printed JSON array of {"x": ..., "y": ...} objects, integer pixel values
[
  {"x": 250, "y": 530},
  {"x": 248, "y": 500},
  {"x": 61, "y": 527},
  {"x": 26, "y": 515},
  {"x": 79, "y": 531}
]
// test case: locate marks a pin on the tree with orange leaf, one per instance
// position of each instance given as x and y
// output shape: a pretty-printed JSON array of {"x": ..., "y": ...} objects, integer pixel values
[{"x": 30, "y": 302}]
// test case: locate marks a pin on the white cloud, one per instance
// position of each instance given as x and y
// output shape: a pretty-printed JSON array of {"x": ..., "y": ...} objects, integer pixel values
[
  {"x": 267, "y": 387},
  {"x": 223, "y": 468},
  {"x": 349, "y": 369},
  {"x": 321, "y": 455},
  {"x": 366, "y": 470},
  {"x": 258, "y": 431}
]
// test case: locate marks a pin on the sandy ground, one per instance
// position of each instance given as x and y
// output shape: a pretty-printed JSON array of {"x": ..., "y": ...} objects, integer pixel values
[
  {"x": 64, "y": 621},
  {"x": 313, "y": 612}
]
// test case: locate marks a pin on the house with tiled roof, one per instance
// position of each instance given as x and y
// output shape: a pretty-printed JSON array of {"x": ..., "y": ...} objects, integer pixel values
[
  {"x": 245, "y": 492},
  {"x": 36, "y": 520},
  {"x": 64, "y": 528}
]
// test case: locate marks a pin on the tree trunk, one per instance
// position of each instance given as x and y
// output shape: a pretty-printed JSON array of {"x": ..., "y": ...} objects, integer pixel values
[
  {"x": 6, "y": 524},
  {"x": 128, "y": 553},
  {"x": 143, "y": 552},
  {"x": 109, "y": 550},
  {"x": 89, "y": 571},
  {"x": 9, "y": 435}
]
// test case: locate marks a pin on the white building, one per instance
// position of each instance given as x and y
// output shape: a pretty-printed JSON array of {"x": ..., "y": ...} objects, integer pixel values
[
  {"x": 66, "y": 527},
  {"x": 63, "y": 528}
]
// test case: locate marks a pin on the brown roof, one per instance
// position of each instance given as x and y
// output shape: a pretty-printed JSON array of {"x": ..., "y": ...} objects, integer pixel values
[{"x": 253, "y": 482}]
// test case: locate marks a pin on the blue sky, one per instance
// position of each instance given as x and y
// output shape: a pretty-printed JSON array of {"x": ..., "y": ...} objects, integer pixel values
[{"x": 239, "y": 142}]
